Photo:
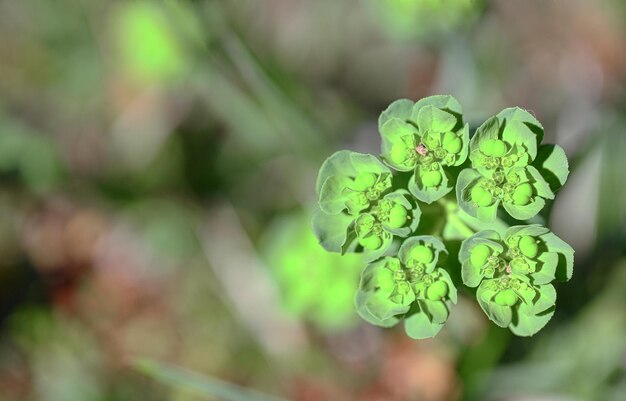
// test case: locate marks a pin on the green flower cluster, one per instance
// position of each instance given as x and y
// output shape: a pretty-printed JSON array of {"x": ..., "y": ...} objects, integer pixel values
[
  {"x": 513, "y": 273},
  {"x": 373, "y": 207}
]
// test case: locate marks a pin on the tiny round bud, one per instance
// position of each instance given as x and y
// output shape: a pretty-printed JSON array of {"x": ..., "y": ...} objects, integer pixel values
[
  {"x": 486, "y": 147},
  {"x": 398, "y": 153},
  {"x": 479, "y": 255},
  {"x": 422, "y": 254},
  {"x": 522, "y": 194},
  {"x": 498, "y": 148},
  {"x": 481, "y": 196},
  {"x": 431, "y": 178},
  {"x": 363, "y": 181},
  {"x": 506, "y": 298},
  {"x": 528, "y": 246},
  {"x": 452, "y": 143},
  {"x": 371, "y": 242},
  {"x": 437, "y": 291},
  {"x": 397, "y": 216}
]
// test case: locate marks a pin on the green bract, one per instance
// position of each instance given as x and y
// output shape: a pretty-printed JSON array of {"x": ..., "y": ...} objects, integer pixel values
[
  {"x": 509, "y": 167},
  {"x": 408, "y": 287},
  {"x": 425, "y": 137},
  {"x": 512, "y": 272},
  {"x": 370, "y": 206}
]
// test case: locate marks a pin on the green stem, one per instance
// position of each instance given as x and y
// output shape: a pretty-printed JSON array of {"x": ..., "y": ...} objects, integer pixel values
[{"x": 453, "y": 218}]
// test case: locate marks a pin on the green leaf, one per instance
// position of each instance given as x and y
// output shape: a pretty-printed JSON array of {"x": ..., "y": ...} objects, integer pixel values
[
  {"x": 400, "y": 109},
  {"x": 525, "y": 325},
  {"x": 565, "y": 268},
  {"x": 366, "y": 163},
  {"x": 490, "y": 129},
  {"x": 430, "y": 194},
  {"x": 436, "y": 310},
  {"x": 331, "y": 230},
  {"x": 521, "y": 115},
  {"x": 392, "y": 133},
  {"x": 419, "y": 326},
  {"x": 177, "y": 377},
  {"x": 432, "y": 119},
  {"x": 338, "y": 164},
  {"x": 332, "y": 196},
  {"x": 546, "y": 268},
  {"x": 534, "y": 230},
  {"x": 552, "y": 164},
  {"x": 442, "y": 102},
  {"x": 518, "y": 133},
  {"x": 541, "y": 186},
  {"x": 529, "y": 319},
  {"x": 524, "y": 212},
  {"x": 500, "y": 315}
]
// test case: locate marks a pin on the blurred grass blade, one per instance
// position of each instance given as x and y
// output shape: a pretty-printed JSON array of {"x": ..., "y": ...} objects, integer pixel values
[{"x": 177, "y": 377}]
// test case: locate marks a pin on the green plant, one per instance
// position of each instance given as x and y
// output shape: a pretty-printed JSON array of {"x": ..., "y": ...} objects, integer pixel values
[{"x": 374, "y": 207}]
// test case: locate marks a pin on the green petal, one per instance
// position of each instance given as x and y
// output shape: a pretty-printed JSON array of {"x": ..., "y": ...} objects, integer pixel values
[
  {"x": 331, "y": 230},
  {"x": 462, "y": 155},
  {"x": 419, "y": 326},
  {"x": 385, "y": 249},
  {"x": 452, "y": 291},
  {"x": 552, "y": 164},
  {"x": 529, "y": 319},
  {"x": 432, "y": 119},
  {"x": 400, "y": 109}
]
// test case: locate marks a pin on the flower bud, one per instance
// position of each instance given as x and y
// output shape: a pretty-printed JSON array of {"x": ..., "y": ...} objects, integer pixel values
[
  {"x": 364, "y": 181},
  {"x": 398, "y": 153},
  {"x": 479, "y": 255},
  {"x": 528, "y": 246},
  {"x": 481, "y": 196},
  {"x": 506, "y": 298},
  {"x": 371, "y": 242},
  {"x": 522, "y": 194},
  {"x": 493, "y": 147},
  {"x": 437, "y": 291},
  {"x": 422, "y": 254},
  {"x": 397, "y": 216},
  {"x": 431, "y": 178},
  {"x": 452, "y": 143}
]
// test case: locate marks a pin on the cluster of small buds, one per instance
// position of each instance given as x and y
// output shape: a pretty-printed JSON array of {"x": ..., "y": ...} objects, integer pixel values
[{"x": 373, "y": 207}]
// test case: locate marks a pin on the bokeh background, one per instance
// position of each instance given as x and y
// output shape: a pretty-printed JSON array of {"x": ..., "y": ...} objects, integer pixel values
[{"x": 157, "y": 168}]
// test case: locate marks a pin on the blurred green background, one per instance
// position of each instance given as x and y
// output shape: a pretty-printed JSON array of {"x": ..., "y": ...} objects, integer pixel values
[{"x": 157, "y": 168}]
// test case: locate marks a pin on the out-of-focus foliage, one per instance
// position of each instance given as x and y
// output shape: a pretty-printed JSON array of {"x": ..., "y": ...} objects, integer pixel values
[
  {"x": 147, "y": 146},
  {"x": 315, "y": 285}
]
